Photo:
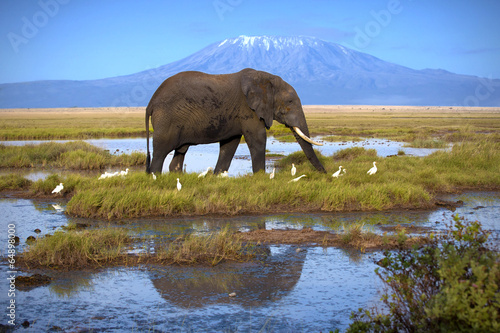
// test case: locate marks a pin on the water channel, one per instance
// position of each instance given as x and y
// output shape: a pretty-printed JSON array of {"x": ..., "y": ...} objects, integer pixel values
[{"x": 314, "y": 289}]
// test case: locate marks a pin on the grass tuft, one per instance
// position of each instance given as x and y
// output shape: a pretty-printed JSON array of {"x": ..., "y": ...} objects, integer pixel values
[
  {"x": 208, "y": 249},
  {"x": 70, "y": 155},
  {"x": 77, "y": 248}
]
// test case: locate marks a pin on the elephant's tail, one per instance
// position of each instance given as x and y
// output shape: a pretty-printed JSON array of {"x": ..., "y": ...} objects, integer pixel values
[{"x": 148, "y": 157}]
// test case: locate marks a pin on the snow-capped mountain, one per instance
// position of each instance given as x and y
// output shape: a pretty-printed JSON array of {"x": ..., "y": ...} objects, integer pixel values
[{"x": 321, "y": 72}]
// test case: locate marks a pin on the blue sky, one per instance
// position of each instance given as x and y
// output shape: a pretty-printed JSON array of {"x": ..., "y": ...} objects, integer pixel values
[{"x": 80, "y": 40}]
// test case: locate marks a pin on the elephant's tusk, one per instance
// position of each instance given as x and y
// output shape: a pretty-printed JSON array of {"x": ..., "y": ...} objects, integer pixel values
[{"x": 303, "y": 136}]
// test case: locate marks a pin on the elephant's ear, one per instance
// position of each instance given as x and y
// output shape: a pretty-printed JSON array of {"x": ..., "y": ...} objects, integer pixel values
[{"x": 258, "y": 89}]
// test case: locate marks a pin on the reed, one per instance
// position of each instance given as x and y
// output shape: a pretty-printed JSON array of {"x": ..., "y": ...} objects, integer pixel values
[
  {"x": 210, "y": 249},
  {"x": 14, "y": 182},
  {"x": 427, "y": 143},
  {"x": 77, "y": 248},
  {"x": 70, "y": 155}
]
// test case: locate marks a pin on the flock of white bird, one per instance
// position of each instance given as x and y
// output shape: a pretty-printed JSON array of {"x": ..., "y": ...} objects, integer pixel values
[
  {"x": 293, "y": 171},
  {"x": 114, "y": 174}
]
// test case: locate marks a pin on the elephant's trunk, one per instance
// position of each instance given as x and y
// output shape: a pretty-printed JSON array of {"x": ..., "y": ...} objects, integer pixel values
[{"x": 305, "y": 137}]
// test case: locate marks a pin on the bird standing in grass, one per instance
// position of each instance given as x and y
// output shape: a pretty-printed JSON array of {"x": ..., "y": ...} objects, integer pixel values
[
  {"x": 204, "y": 173},
  {"x": 225, "y": 174},
  {"x": 373, "y": 170},
  {"x": 124, "y": 173},
  {"x": 179, "y": 185},
  {"x": 271, "y": 176},
  {"x": 297, "y": 179},
  {"x": 154, "y": 176},
  {"x": 58, "y": 188},
  {"x": 105, "y": 175},
  {"x": 337, "y": 173},
  {"x": 294, "y": 169}
]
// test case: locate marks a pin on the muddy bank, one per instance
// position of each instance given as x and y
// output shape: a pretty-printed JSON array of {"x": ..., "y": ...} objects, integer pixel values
[{"x": 310, "y": 237}]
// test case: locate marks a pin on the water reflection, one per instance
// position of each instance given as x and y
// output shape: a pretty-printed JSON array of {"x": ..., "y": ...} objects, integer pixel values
[{"x": 255, "y": 284}]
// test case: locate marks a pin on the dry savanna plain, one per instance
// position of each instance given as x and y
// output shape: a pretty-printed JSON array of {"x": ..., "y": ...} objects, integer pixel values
[{"x": 402, "y": 122}]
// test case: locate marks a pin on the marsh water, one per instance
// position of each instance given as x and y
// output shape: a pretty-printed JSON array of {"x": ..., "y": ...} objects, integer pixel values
[
  {"x": 200, "y": 157},
  {"x": 314, "y": 289}
]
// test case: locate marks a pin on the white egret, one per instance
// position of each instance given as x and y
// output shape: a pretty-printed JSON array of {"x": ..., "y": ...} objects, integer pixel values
[
  {"x": 297, "y": 179},
  {"x": 225, "y": 174},
  {"x": 105, "y": 175},
  {"x": 154, "y": 176},
  {"x": 58, "y": 188},
  {"x": 294, "y": 169},
  {"x": 337, "y": 173},
  {"x": 124, "y": 173},
  {"x": 204, "y": 173},
  {"x": 271, "y": 176},
  {"x": 57, "y": 207},
  {"x": 179, "y": 185},
  {"x": 373, "y": 170}
]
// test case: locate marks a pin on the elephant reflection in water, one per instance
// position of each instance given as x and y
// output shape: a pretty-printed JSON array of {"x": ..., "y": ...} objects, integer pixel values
[
  {"x": 193, "y": 108},
  {"x": 254, "y": 283}
]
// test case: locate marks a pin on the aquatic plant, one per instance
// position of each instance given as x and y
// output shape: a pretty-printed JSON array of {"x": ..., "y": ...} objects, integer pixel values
[
  {"x": 14, "y": 182},
  {"x": 70, "y": 155},
  {"x": 76, "y": 248},
  {"x": 211, "y": 249}
]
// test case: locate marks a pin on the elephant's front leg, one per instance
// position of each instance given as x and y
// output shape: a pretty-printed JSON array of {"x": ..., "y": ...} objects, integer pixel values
[
  {"x": 227, "y": 149},
  {"x": 178, "y": 159},
  {"x": 256, "y": 141}
]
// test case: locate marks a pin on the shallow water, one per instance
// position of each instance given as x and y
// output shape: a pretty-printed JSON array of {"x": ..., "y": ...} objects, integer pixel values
[
  {"x": 200, "y": 157},
  {"x": 312, "y": 290}
]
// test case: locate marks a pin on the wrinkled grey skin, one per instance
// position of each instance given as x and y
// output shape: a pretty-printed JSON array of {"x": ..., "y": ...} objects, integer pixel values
[{"x": 192, "y": 108}]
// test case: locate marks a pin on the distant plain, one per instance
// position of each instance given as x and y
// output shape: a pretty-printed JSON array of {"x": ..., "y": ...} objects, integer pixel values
[{"x": 404, "y": 123}]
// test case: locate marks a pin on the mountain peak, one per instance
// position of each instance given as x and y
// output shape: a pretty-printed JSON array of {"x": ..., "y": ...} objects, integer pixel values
[{"x": 277, "y": 42}]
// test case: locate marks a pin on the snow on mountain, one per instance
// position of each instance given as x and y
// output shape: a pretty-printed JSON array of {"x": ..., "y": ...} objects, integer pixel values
[{"x": 321, "y": 72}]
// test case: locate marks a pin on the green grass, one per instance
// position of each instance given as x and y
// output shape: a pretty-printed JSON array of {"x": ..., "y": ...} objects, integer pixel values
[
  {"x": 14, "y": 182},
  {"x": 70, "y": 155},
  {"x": 74, "y": 248},
  {"x": 427, "y": 143},
  {"x": 77, "y": 248},
  {"x": 401, "y": 182},
  {"x": 60, "y": 124},
  {"x": 208, "y": 249}
]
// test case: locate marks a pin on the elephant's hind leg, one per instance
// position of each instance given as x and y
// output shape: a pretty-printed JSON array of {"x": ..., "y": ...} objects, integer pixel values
[
  {"x": 161, "y": 148},
  {"x": 227, "y": 149},
  {"x": 178, "y": 159}
]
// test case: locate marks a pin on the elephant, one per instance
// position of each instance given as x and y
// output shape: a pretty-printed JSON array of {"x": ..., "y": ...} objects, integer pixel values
[{"x": 192, "y": 108}]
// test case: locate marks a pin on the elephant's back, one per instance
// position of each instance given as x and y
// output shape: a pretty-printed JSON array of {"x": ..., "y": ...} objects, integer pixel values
[{"x": 192, "y": 88}]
